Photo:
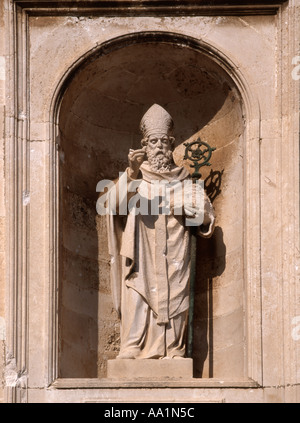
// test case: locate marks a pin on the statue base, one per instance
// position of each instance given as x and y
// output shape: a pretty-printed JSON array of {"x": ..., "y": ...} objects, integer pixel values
[{"x": 150, "y": 369}]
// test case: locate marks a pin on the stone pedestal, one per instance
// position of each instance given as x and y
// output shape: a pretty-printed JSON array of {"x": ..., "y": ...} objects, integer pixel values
[
  {"x": 131, "y": 369},
  {"x": 75, "y": 79}
]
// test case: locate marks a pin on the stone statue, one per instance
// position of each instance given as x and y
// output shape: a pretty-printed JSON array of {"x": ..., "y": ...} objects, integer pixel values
[{"x": 150, "y": 252}]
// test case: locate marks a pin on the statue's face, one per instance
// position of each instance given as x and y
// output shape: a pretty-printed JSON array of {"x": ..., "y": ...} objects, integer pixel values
[
  {"x": 159, "y": 144},
  {"x": 160, "y": 152}
]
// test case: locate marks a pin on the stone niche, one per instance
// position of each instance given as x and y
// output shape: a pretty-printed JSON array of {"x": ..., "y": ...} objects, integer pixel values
[{"x": 102, "y": 105}]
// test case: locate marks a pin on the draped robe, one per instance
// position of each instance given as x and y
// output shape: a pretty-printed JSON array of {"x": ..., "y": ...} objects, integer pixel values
[{"x": 150, "y": 254}]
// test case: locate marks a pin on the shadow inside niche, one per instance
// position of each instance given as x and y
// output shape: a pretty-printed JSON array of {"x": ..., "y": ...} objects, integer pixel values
[
  {"x": 212, "y": 184},
  {"x": 211, "y": 254}
]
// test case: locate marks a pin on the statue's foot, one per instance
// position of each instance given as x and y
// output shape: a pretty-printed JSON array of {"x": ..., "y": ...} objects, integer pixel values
[
  {"x": 173, "y": 357},
  {"x": 127, "y": 355}
]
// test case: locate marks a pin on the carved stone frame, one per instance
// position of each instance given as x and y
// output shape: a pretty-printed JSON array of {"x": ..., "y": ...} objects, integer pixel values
[{"x": 21, "y": 305}]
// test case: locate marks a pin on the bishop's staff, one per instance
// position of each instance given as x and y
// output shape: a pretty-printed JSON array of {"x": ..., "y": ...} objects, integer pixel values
[{"x": 199, "y": 153}]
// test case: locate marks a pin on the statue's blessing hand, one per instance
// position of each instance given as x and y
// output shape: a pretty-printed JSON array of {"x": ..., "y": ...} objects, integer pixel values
[{"x": 135, "y": 159}]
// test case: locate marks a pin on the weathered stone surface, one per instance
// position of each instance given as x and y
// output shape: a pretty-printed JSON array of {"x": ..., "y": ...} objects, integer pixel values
[
  {"x": 148, "y": 369},
  {"x": 230, "y": 78}
]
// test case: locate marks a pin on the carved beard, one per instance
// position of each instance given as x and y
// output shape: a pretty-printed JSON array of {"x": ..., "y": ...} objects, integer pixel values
[{"x": 162, "y": 162}]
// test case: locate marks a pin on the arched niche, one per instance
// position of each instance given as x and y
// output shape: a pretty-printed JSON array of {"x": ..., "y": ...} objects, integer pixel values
[{"x": 100, "y": 110}]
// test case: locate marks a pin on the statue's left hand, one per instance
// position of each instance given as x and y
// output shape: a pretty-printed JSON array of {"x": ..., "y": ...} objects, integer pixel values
[
  {"x": 191, "y": 211},
  {"x": 192, "y": 195}
]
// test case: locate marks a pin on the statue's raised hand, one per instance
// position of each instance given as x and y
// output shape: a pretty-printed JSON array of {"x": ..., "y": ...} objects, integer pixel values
[{"x": 135, "y": 159}]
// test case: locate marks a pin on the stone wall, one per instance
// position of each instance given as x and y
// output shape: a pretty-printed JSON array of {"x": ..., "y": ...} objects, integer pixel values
[
  {"x": 2, "y": 199},
  {"x": 77, "y": 83}
]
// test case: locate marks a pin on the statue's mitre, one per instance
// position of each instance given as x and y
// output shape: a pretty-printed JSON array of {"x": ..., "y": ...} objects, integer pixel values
[{"x": 156, "y": 120}]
